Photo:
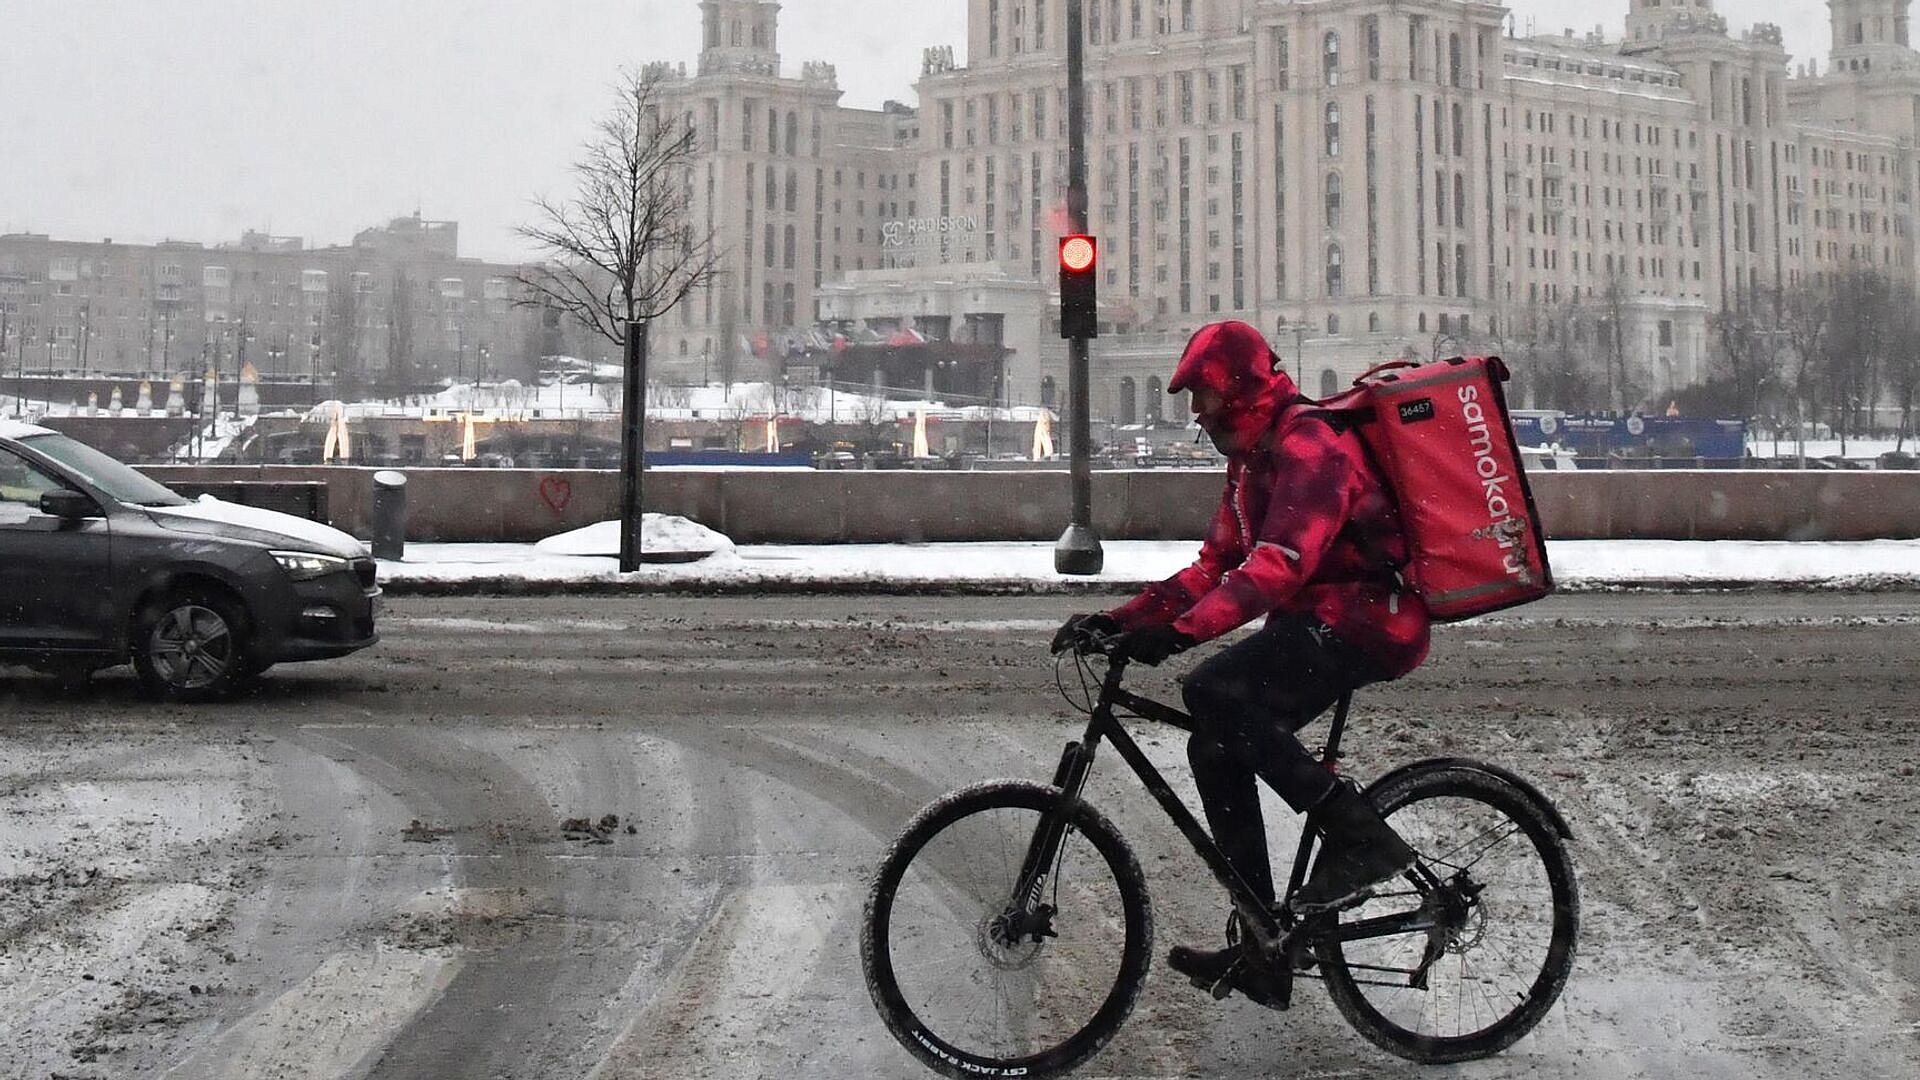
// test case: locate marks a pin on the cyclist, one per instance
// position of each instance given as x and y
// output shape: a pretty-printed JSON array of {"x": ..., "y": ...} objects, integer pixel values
[{"x": 1307, "y": 536}]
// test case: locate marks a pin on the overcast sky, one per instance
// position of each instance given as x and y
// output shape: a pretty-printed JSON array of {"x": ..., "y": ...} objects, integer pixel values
[{"x": 196, "y": 119}]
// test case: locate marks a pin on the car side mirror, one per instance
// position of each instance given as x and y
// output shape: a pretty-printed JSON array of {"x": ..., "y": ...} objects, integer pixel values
[{"x": 69, "y": 505}]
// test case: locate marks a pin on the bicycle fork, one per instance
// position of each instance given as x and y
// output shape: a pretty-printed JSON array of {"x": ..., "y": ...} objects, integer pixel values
[{"x": 1026, "y": 915}]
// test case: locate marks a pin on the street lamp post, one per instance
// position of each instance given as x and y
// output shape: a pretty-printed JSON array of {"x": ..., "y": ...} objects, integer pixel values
[{"x": 86, "y": 331}]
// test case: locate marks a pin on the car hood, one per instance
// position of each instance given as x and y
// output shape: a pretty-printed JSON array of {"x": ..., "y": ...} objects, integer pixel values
[{"x": 211, "y": 517}]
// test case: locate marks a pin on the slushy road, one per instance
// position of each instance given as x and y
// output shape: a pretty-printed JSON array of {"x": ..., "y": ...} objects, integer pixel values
[{"x": 360, "y": 869}]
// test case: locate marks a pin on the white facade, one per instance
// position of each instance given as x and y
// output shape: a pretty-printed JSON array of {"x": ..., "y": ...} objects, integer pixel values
[{"x": 1361, "y": 179}]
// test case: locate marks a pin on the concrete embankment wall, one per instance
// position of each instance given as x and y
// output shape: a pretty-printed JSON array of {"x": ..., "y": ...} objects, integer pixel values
[{"x": 803, "y": 506}]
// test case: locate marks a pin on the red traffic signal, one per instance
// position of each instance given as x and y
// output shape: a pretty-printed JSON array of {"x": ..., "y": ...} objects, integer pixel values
[
  {"x": 1076, "y": 253},
  {"x": 1079, "y": 306}
]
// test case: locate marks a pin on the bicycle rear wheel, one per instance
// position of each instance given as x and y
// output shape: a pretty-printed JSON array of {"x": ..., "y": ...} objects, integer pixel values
[
  {"x": 1505, "y": 955},
  {"x": 946, "y": 982}
]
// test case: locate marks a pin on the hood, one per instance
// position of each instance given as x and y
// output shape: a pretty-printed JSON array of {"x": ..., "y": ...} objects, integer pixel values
[
  {"x": 1232, "y": 358},
  {"x": 211, "y": 517}
]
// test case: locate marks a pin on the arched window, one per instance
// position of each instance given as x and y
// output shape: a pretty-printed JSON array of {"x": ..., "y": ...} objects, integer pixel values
[
  {"x": 793, "y": 189},
  {"x": 1373, "y": 322},
  {"x": 1333, "y": 325},
  {"x": 1336, "y": 271},
  {"x": 1126, "y": 402},
  {"x": 1333, "y": 129},
  {"x": 773, "y": 189},
  {"x": 1332, "y": 58},
  {"x": 1333, "y": 200},
  {"x": 1046, "y": 392},
  {"x": 1153, "y": 400},
  {"x": 1329, "y": 383}
]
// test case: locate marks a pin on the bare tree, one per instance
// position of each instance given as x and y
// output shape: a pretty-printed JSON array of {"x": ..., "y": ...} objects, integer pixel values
[
  {"x": 345, "y": 313},
  {"x": 1805, "y": 323},
  {"x": 1611, "y": 321},
  {"x": 623, "y": 249},
  {"x": 400, "y": 370},
  {"x": 1860, "y": 304},
  {"x": 1903, "y": 360},
  {"x": 1749, "y": 360}
]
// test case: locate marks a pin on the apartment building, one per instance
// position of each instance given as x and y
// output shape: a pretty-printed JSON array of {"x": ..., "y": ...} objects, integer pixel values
[
  {"x": 1359, "y": 178},
  {"x": 397, "y": 306}
]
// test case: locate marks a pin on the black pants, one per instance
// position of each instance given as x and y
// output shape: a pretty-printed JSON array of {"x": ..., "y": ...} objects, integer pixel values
[{"x": 1247, "y": 701}]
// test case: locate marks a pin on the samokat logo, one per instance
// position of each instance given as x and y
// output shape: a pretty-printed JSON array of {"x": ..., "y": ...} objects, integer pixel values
[
  {"x": 1415, "y": 411},
  {"x": 1502, "y": 526}
]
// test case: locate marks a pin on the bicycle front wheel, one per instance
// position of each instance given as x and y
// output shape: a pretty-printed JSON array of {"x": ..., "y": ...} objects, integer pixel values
[
  {"x": 1507, "y": 911},
  {"x": 948, "y": 982}
]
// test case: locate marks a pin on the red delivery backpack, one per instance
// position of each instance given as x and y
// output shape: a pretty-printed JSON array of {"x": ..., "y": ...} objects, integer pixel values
[{"x": 1440, "y": 438}]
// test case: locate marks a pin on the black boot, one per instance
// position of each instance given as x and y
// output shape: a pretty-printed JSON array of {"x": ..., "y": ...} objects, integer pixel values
[
  {"x": 1358, "y": 851},
  {"x": 1237, "y": 966}
]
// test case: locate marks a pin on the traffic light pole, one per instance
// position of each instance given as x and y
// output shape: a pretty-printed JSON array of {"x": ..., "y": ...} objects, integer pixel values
[{"x": 1078, "y": 549}]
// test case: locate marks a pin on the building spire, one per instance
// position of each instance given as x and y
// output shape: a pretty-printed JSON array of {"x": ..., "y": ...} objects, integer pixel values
[{"x": 739, "y": 37}]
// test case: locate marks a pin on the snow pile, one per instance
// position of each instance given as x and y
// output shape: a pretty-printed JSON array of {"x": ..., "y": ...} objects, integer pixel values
[{"x": 659, "y": 534}]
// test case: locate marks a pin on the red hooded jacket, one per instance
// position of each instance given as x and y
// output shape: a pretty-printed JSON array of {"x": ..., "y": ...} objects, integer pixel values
[{"x": 1303, "y": 526}]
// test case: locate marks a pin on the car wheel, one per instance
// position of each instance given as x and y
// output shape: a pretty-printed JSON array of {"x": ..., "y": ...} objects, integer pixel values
[{"x": 192, "y": 646}]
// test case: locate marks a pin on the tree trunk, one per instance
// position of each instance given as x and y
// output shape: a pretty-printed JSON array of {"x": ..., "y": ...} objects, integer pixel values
[{"x": 633, "y": 433}]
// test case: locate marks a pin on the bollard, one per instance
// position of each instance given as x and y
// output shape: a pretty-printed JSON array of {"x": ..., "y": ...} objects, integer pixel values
[{"x": 389, "y": 515}]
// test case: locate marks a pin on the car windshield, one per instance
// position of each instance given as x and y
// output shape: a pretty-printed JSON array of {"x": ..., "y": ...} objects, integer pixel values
[{"x": 123, "y": 483}]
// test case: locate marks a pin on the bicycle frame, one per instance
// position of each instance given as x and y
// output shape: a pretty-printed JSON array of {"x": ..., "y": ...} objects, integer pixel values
[{"x": 1275, "y": 927}]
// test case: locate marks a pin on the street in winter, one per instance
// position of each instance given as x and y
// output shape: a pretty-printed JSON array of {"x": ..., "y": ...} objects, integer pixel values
[
  {"x": 710, "y": 539},
  {"x": 571, "y": 837}
]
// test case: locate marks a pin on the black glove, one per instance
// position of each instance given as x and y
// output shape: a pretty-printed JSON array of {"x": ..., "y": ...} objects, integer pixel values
[
  {"x": 1098, "y": 622},
  {"x": 1152, "y": 644}
]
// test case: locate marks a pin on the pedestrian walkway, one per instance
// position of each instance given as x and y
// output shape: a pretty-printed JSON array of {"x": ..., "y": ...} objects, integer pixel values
[{"x": 1028, "y": 567}]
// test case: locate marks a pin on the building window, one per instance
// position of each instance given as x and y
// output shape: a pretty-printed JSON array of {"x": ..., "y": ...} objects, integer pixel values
[
  {"x": 1333, "y": 129},
  {"x": 1128, "y": 402},
  {"x": 1336, "y": 274},
  {"x": 1332, "y": 58},
  {"x": 1333, "y": 201}
]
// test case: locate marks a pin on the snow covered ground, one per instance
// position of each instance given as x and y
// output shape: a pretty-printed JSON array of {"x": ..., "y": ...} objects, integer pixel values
[{"x": 587, "y": 556}]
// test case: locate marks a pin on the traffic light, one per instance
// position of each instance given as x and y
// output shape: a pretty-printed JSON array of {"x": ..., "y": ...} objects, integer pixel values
[{"x": 1079, "y": 308}]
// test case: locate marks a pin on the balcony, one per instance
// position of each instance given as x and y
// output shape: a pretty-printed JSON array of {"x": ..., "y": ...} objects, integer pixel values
[
  {"x": 1553, "y": 170},
  {"x": 1554, "y": 205}
]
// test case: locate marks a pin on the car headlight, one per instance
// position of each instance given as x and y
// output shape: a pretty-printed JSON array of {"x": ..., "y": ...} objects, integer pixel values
[{"x": 307, "y": 565}]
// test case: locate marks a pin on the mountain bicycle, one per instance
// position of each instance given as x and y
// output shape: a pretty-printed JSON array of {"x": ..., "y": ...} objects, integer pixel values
[{"x": 1008, "y": 931}]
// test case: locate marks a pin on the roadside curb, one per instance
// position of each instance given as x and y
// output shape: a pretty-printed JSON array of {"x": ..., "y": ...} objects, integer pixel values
[{"x": 505, "y": 585}]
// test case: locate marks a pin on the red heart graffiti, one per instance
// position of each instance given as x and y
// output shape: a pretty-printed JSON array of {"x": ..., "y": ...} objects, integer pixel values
[{"x": 556, "y": 492}]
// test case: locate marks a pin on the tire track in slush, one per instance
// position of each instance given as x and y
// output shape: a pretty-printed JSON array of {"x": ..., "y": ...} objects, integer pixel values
[
  {"x": 317, "y": 1002},
  {"x": 543, "y": 958}
]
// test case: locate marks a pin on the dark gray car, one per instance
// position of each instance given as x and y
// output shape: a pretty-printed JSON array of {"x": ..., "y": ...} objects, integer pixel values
[{"x": 100, "y": 565}]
